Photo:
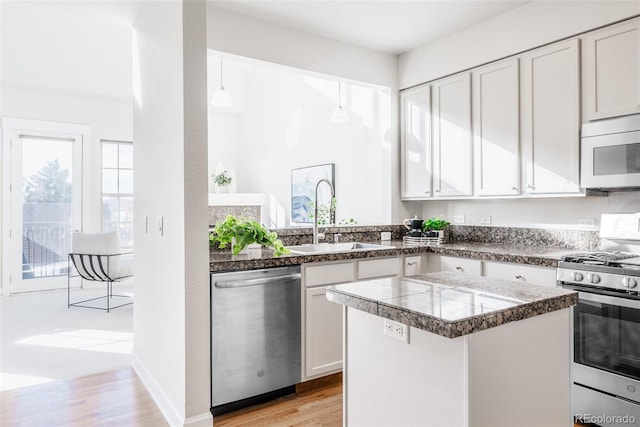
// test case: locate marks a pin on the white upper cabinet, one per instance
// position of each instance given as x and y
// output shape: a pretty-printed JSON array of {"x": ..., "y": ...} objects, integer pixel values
[
  {"x": 496, "y": 129},
  {"x": 613, "y": 71},
  {"x": 415, "y": 136},
  {"x": 550, "y": 119},
  {"x": 452, "y": 141}
]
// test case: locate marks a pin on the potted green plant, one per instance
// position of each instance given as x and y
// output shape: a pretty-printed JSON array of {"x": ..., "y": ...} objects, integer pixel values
[
  {"x": 434, "y": 227},
  {"x": 222, "y": 181},
  {"x": 241, "y": 232}
]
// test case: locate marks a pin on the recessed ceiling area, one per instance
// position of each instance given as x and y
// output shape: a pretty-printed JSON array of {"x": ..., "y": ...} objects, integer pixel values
[{"x": 386, "y": 26}]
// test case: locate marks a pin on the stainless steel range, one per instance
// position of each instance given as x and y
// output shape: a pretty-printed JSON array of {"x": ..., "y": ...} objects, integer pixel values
[{"x": 606, "y": 347}]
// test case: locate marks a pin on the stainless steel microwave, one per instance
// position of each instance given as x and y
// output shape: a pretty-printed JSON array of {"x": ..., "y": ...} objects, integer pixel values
[{"x": 610, "y": 153}]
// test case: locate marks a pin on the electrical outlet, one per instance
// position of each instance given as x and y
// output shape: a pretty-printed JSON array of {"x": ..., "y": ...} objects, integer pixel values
[
  {"x": 485, "y": 220},
  {"x": 587, "y": 222},
  {"x": 385, "y": 235},
  {"x": 398, "y": 331},
  {"x": 458, "y": 219}
]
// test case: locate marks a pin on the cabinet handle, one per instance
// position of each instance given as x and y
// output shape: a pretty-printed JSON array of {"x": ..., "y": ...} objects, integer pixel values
[
  {"x": 427, "y": 192},
  {"x": 531, "y": 187},
  {"x": 518, "y": 276},
  {"x": 437, "y": 191},
  {"x": 459, "y": 268},
  {"x": 514, "y": 188},
  {"x": 412, "y": 263}
]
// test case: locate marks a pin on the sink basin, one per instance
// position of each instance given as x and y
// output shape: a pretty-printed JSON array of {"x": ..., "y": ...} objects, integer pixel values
[{"x": 324, "y": 248}]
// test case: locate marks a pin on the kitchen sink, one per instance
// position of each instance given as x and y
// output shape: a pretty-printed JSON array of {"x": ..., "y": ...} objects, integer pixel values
[{"x": 324, "y": 248}]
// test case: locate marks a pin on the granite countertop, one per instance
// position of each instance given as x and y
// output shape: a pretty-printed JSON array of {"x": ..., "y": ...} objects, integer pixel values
[
  {"x": 451, "y": 304},
  {"x": 263, "y": 258}
]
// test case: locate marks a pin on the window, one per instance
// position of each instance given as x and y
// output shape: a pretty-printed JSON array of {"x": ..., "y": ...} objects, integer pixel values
[{"x": 117, "y": 189}]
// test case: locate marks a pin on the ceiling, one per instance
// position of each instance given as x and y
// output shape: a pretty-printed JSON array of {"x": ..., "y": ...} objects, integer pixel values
[{"x": 391, "y": 26}]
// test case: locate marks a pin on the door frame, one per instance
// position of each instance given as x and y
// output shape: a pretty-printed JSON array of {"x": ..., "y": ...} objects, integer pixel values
[{"x": 11, "y": 126}]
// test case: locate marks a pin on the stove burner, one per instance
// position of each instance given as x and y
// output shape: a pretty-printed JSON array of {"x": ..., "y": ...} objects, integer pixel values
[{"x": 598, "y": 258}]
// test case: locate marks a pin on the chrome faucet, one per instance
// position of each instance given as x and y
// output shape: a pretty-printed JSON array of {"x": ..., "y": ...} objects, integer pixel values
[{"x": 315, "y": 209}]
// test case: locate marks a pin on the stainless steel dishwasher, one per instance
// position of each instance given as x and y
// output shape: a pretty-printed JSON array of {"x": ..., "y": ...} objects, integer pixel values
[{"x": 255, "y": 345}]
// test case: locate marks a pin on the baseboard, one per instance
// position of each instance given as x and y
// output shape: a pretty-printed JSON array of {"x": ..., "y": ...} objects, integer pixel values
[{"x": 169, "y": 411}]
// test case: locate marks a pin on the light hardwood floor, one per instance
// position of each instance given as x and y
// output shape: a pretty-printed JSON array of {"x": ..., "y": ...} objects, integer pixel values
[
  {"x": 320, "y": 406},
  {"x": 118, "y": 398},
  {"x": 114, "y": 398}
]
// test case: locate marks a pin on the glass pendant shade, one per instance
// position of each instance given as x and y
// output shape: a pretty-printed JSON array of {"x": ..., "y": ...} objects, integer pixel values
[
  {"x": 339, "y": 115},
  {"x": 221, "y": 97}
]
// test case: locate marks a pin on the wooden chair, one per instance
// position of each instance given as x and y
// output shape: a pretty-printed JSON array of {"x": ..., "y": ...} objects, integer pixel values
[{"x": 97, "y": 257}]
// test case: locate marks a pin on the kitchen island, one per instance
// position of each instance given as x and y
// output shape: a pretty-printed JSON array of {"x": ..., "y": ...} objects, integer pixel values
[{"x": 446, "y": 349}]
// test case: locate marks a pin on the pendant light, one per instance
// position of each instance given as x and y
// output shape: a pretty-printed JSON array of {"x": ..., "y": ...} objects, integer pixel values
[
  {"x": 221, "y": 97},
  {"x": 339, "y": 115}
]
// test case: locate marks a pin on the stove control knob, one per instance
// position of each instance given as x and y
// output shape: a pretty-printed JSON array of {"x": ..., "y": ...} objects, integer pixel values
[
  {"x": 593, "y": 278},
  {"x": 576, "y": 276},
  {"x": 629, "y": 282}
]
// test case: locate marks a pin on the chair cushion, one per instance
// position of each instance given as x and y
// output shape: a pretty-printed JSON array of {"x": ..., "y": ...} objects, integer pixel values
[{"x": 104, "y": 244}]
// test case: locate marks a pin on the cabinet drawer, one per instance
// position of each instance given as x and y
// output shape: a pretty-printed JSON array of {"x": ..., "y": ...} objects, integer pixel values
[
  {"x": 328, "y": 273},
  {"x": 380, "y": 267},
  {"x": 534, "y": 275},
  {"x": 412, "y": 265},
  {"x": 461, "y": 265}
]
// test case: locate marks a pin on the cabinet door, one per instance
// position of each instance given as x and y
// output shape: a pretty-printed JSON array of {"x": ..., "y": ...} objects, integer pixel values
[
  {"x": 613, "y": 72},
  {"x": 496, "y": 129},
  {"x": 415, "y": 139},
  {"x": 461, "y": 265},
  {"x": 550, "y": 119},
  {"x": 533, "y": 275},
  {"x": 323, "y": 334},
  {"x": 452, "y": 142}
]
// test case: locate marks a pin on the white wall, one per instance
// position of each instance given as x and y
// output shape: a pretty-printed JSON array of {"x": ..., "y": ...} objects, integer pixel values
[
  {"x": 283, "y": 123},
  {"x": 252, "y": 38},
  {"x": 52, "y": 73},
  {"x": 526, "y": 27},
  {"x": 171, "y": 316}
]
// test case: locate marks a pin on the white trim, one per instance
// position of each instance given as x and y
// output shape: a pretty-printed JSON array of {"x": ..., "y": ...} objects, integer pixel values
[
  {"x": 203, "y": 420},
  {"x": 170, "y": 413},
  {"x": 10, "y": 127}
]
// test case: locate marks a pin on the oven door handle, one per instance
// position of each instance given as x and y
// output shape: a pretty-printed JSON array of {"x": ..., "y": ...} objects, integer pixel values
[{"x": 605, "y": 299}]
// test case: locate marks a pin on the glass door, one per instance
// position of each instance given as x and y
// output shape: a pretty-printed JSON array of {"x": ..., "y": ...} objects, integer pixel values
[{"x": 45, "y": 205}]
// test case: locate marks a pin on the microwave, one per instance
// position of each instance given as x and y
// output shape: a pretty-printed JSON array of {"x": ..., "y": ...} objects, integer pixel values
[{"x": 610, "y": 153}]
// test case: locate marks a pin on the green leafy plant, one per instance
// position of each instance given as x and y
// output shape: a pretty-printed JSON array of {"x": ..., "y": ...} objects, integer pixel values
[
  {"x": 348, "y": 221},
  {"x": 435, "y": 224},
  {"x": 245, "y": 232},
  {"x": 223, "y": 178}
]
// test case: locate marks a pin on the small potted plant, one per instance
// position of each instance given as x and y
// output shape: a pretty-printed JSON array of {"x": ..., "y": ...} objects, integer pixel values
[
  {"x": 222, "y": 181},
  {"x": 435, "y": 227},
  {"x": 241, "y": 232}
]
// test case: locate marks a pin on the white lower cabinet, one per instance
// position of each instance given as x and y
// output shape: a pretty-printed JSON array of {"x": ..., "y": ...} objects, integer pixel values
[
  {"x": 412, "y": 265},
  {"x": 533, "y": 275},
  {"x": 322, "y": 319},
  {"x": 461, "y": 265},
  {"x": 323, "y": 343}
]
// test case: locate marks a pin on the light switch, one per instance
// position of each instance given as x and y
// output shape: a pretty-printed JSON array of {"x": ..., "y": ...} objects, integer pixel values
[{"x": 160, "y": 225}]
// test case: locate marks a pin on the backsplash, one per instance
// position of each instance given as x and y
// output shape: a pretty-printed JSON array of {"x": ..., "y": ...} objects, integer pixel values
[
  {"x": 219, "y": 213},
  {"x": 559, "y": 238}
]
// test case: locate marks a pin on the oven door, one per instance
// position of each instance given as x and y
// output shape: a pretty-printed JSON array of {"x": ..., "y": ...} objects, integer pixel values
[
  {"x": 607, "y": 334},
  {"x": 610, "y": 161}
]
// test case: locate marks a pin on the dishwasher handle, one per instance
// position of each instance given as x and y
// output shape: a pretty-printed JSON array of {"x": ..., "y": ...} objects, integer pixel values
[{"x": 256, "y": 282}]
